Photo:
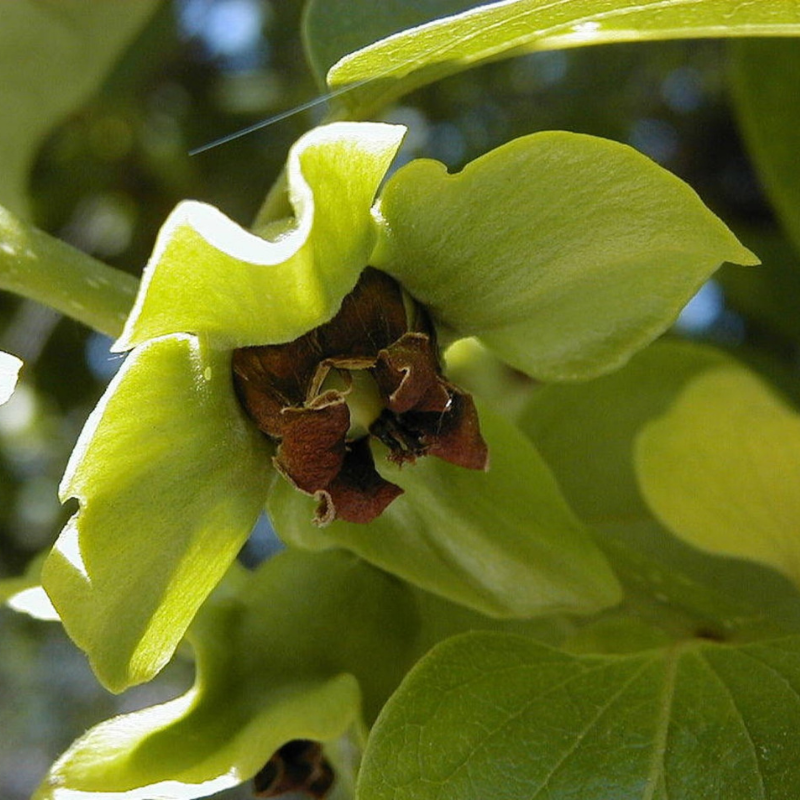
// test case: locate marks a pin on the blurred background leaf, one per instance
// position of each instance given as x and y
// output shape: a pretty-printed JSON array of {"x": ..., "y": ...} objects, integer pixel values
[
  {"x": 721, "y": 468},
  {"x": 53, "y": 55},
  {"x": 761, "y": 71}
]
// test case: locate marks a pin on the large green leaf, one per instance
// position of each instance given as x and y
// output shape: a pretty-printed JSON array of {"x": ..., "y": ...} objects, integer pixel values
[
  {"x": 502, "y": 542},
  {"x": 586, "y": 434},
  {"x": 763, "y": 76},
  {"x": 170, "y": 476},
  {"x": 490, "y": 715},
  {"x": 304, "y": 648},
  {"x": 332, "y": 30},
  {"x": 722, "y": 468},
  {"x": 563, "y": 253},
  {"x": 53, "y": 55},
  {"x": 430, "y": 51},
  {"x": 278, "y": 287}
]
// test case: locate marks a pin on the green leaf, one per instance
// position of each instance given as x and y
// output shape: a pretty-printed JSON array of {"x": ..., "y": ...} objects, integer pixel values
[
  {"x": 761, "y": 75},
  {"x": 586, "y": 434},
  {"x": 491, "y": 31},
  {"x": 440, "y": 619},
  {"x": 585, "y": 431},
  {"x": 501, "y": 542},
  {"x": 722, "y": 468},
  {"x": 52, "y": 272},
  {"x": 170, "y": 476},
  {"x": 563, "y": 253},
  {"x": 279, "y": 287},
  {"x": 690, "y": 592},
  {"x": 273, "y": 664},
  {"x": 490, "y": 715},
  {"x": 9, "y": 372},
  {"x": 334, "y": 29},
  {"x": 53, "y": 56}
]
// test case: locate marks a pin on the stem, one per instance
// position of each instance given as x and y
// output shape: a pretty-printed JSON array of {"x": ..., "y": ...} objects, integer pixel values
[{"x": 43, "y": 268}]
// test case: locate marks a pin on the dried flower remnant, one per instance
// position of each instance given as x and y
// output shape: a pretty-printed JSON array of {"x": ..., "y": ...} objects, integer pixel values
[
  {"x": 372, "y": 370},
  {"x": 299, "y": 767}
]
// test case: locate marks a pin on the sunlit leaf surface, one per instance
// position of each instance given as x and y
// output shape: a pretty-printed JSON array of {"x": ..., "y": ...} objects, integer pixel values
[
  {"x": 722, "y": 468},
  {"x": 427, "y": 52},
  {"x": 170, "y": 477},
  {"x": 563, "y": 253},
  {"x": 289, "y": 278},
  {"x": 273, "y": 664}
]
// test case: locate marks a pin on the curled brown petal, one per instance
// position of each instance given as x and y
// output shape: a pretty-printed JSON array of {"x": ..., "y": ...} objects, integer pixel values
[
  {"x": 312, "y": 447},
  {"x": 407, "y": 374},
  {"x": 453, "y": 436},
  {"x": 404, "y": 441},
  {"x": 256, "y": 394},
  {"x": 358, "y": 493},
  {"x": 371, "y": 317},
  {"x": 281, "y": 372},
  {"x": 297, "y": 394},
  {"x": 269, "y": 378}
]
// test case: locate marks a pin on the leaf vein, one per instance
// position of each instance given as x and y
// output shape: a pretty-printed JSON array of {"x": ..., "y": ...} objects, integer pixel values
[{"x": 731, "y": 697}]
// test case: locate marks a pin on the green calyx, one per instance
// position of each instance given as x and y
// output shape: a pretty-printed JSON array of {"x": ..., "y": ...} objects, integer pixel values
[
  {"x": 274, "y": 290},
  {"x": 525, "y": 248}
]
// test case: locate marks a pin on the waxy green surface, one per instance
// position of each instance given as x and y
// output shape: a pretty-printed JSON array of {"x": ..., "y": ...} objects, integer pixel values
[
  {"x": 492, "y": 715},
  {"x": 273, "y": 664}
]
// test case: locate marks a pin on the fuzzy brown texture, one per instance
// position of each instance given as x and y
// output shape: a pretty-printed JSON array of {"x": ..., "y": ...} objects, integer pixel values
[{"x": 281, "y": 389}]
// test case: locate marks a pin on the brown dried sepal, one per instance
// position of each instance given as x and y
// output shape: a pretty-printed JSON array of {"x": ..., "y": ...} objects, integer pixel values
[
  {"x": 312, "y": 447},
  {"x": 281, "y": 389},
  {"x": 408, "y": 375},
  {"x": 358, "y": 493},
  {"x": 426, "y": 415},
  {"x": 453, "y": 435},
  {"x": 315, "y": 457},
  {"x": 299, "y": 766},
  {"x": 456, "y": 435}
]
